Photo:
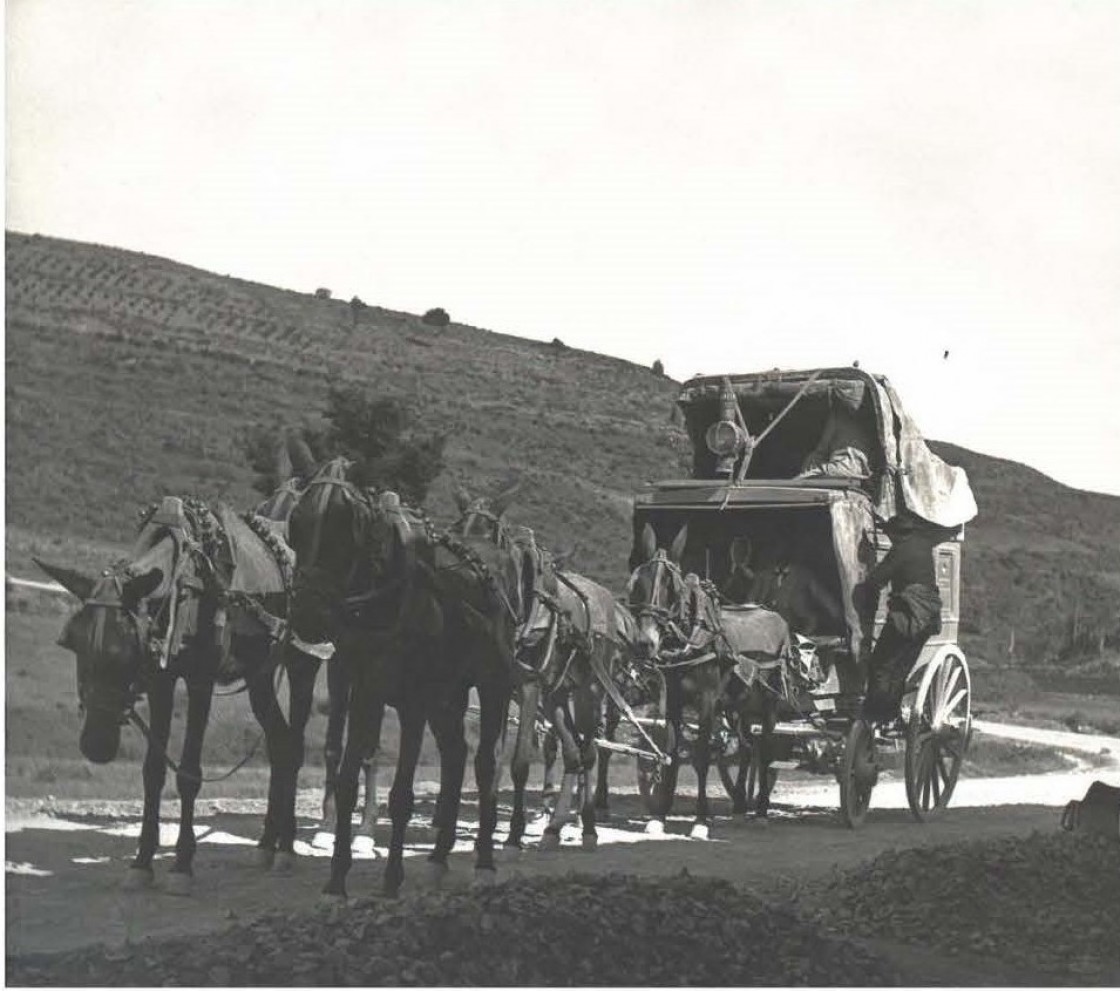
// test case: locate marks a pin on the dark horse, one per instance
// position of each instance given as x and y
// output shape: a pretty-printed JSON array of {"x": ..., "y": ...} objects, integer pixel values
[
  {"x": 201, "y": 598},
  {"x": 567, "y": 649},
  {"x": 423, "y": 617},
  {"x": 278, "y": 508},
  {"x": 727, "y": 662}
]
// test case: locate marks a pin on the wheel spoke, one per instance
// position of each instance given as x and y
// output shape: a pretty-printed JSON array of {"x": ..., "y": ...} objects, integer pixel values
[
  {"x": 947, "y": 709},
  {"x": 950, "y": 684}
]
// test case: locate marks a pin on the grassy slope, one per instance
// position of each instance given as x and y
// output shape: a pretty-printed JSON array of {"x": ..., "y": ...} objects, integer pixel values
[{"x": 129, "y": 376}]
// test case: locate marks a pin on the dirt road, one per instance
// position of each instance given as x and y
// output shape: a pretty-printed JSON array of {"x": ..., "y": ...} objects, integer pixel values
[{"x": 65, "y": 861}]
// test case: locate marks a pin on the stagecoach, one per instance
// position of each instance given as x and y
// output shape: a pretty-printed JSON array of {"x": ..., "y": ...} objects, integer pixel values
[{"x": 764, "y": 529}]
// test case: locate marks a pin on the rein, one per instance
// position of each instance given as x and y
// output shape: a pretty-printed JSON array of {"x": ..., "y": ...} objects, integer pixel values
[{"x": 133, "y": 717}]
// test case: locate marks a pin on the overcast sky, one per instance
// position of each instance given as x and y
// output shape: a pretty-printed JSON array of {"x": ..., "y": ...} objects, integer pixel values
[{"x": 726, "y": 186}]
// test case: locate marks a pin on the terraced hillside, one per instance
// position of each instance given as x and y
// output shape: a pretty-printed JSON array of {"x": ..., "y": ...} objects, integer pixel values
[{"x": 129, "y": 376}]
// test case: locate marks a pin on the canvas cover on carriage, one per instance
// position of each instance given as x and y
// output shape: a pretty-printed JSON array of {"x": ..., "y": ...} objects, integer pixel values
[
  {"x": 755, "y": 489},
  {"x": 905, "y": 472}
]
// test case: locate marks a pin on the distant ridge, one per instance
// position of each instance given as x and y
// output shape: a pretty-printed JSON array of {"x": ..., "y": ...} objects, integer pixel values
[{"x": 129, "y": 375}]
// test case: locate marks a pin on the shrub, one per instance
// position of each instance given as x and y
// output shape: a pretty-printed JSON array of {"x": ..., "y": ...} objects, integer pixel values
[
  {"x": 658, "y": 368},
  {"x": 437, "y": 317}
]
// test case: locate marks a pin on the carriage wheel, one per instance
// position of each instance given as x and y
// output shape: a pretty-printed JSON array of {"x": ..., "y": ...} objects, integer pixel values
[
  {"x": 858, "y": 774},
  {"x": 657, "y": 782},
  {"x": 937, "y": 734}
]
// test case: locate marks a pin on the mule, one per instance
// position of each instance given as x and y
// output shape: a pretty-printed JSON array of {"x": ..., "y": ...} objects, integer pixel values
[
  {"x": 202, "y": 598},
  {"x": 425, "y": 614},
  {"x": 722, "y": 662},
  {"x": 277, "y": 507}
]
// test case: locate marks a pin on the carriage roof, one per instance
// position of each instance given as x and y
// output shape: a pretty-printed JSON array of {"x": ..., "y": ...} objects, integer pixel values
[{"x": 905, "y": 472}]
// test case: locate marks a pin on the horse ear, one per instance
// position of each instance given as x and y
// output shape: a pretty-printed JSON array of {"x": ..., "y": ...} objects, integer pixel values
[
  {"x": 648, "y": 542},
  {"x": 462, "y": 499},
  {"x": 740, "y": 551},
  {"x": 73, "y": 581},
  {"x": 500, "y": 502},
  {"x": 303, "y": 461},
  {"x": 282, "y": 462},
  {"x": 679, "y": 541},
  {"x": 142, "y": 586}
]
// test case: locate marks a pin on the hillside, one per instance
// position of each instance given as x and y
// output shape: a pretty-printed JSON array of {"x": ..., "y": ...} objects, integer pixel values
[{"x": 129, "y": 376}]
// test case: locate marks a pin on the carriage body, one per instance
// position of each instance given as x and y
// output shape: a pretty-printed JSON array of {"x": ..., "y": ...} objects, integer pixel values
[{"x": 812, "y": 541}]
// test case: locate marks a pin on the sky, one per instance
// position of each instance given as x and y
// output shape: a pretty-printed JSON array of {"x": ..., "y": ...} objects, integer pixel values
[{"x": 724, "y": 186}]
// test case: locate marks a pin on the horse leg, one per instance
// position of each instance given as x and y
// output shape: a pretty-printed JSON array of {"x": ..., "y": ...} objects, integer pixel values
[
  {"x": 765, "y": 755},
  {"x": 702, "y": 760},
  {"x": 494, "y": 699},
  {"x": 160, "y": 698},
  {"x": 363, "y": 730},
  {"x": 588, "y": 710},
  {"x": 338, "y": 696},
  {"x": 401, "y": 795},
  {"x": 367, "y": 828},
  {"x": 266, "y": 708},
  {"x": 301, "y": 688},
  {"x": 602, "y": 785},
  {"x": 447, "y": 727},
  {"x": 522, "y": 757},
  {"x": 550, "y": 750},
  {"x": 569, "y": 748},
  {"x": 188, "y": 779}
]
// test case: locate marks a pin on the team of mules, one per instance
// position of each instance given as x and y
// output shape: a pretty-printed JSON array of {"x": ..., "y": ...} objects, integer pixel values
[{"x": 419, "y": 616}]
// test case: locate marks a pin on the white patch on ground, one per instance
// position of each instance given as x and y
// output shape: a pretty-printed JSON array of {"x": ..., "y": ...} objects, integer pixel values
[
  {"x": 26, "y": 869},
  {"x": 228, "y": 839},
  {"x": 91, "y": 860},
  {"x": 18, "y": 825}
]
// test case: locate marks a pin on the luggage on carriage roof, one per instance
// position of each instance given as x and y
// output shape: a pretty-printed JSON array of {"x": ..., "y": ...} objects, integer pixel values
[{"x": 906, "y": 474}]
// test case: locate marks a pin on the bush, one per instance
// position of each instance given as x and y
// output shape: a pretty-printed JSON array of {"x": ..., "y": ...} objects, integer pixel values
[
  {"x": 658, "y": 368},
  {"x": 437, "y": 317}
]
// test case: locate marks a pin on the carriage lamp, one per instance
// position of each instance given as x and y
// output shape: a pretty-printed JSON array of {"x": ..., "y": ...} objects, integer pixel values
[{"x": 725, "y": 438}]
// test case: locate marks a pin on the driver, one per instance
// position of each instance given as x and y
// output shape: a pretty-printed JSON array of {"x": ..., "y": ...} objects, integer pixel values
[{"x": 913, "y": 611}]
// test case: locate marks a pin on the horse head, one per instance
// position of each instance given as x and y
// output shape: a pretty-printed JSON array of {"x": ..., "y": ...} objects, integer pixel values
[
  {"x": 353, "y": 549},
  {"x": 656, "y": 592},
  {"x": 109, "y": 635},
  {"x": 484, "y": 516}
]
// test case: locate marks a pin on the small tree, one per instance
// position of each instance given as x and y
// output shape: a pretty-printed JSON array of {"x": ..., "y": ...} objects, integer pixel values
[
  {"x": 381, "y": 436},
  {"x": 437, "y": 317},
  {"x": 658, "y": 368}
]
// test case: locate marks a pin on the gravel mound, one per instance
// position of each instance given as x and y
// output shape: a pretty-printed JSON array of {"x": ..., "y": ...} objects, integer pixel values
[
  {"x": 1048, "y": 902},
  {"x": 576, "y": 930}
]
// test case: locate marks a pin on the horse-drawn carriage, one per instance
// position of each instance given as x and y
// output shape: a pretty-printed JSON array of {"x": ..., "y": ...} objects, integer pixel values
[{"x": 794, "y": 476}]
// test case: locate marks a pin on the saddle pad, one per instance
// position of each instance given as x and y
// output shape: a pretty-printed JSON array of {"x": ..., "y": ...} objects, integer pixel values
[
  {"x": 600, "y": 602},
  {"x": 756, "y": 632},
  {"x": 255, "y": 570}
]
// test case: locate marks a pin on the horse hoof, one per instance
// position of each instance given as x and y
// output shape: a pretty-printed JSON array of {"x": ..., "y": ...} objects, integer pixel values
[
  {"x": 137, "y": 879},
  {"x": 549, "y": 842},
  {"x": 485, "y": 877},
  {"x": 590, "y": 842},
  {"x": 699, "y": 831},
  {"x": 323, "y": 840},
  {"x": 437, "y": 873},
  {"x": 179, "y": 883},
  {"x": 364, "y": 845},
  {"x": 508, "y": 851},
  {"x": 284, "y": 863},
  {"x": 655, "y": 827},
  {"x": 328, "y": 899},
  {"x": 264, "y": 857}
]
